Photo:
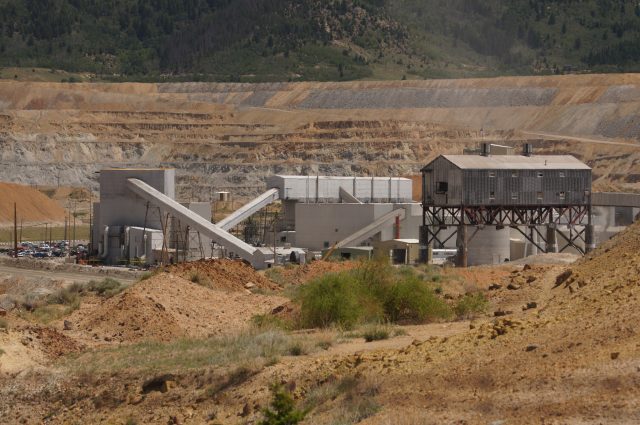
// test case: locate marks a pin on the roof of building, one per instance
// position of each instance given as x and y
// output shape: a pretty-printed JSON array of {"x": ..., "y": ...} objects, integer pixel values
[
  {"x": 517, "y": 162},
  {"x": 340, "y": 178}
]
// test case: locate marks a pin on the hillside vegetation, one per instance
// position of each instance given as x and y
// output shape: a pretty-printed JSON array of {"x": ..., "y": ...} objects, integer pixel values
[{"x": 282, "y": 40}]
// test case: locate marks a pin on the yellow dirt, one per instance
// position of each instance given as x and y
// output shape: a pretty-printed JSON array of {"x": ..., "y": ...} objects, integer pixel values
[{"x": 32, "y": 205}]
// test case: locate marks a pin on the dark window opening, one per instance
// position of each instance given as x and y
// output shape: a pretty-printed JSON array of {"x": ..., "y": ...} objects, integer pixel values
[{"x": 442, "y": 187}]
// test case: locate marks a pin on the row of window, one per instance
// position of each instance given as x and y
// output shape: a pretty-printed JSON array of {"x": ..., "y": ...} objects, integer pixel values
[
  {"x": 539, "y": 195},
  {"x": 540, "y": 174}
]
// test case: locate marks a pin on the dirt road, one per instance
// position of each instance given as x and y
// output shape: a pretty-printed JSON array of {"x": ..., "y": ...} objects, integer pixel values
[{"x": 6, "y": 271}]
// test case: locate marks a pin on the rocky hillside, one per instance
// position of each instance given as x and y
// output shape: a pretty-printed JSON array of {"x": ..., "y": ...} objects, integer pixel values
[
  {"x": 286, "y": 40},
  {"x": 231, "y": 136}
]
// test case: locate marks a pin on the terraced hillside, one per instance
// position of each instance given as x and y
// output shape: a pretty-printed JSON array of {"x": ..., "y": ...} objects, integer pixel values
[{"x": 233, "y": 135}]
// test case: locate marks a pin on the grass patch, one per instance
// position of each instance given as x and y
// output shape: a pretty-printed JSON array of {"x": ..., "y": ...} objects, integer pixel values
[
  {"x": 270, "y": 321},
  {"x": 373, "y": 292},
  {"x": 297, "y": 349},
  {"x": 150, "y": 274},
  {"x": 350, "y": 399},
  {"x": 47, "y": 313},
  {"x": 376, "y": 333},
  {"x": 234, "y": 378},
  {"x": 106, "y": 288},
  {"x": 470, "y": 305},
  {"x": 69, "y": 296},
  {"x": 275, "y": 275},
  {"x": 254, "y": 349},
  {"x": 52, "y": 307},
  {"x": 200, "y": 279}
]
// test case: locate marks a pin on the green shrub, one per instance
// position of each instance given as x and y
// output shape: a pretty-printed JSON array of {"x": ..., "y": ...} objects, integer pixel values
[
  {"x": 374, "y": 292},
  {"x": 333, "y": 299},
  {"x": 411, "y": 299},
  {"x": 375, "y": 333},
  {"x": 282, "y": 410},
  {"x": 470, "y": 305},
  {"x": 106, "y": 288}
]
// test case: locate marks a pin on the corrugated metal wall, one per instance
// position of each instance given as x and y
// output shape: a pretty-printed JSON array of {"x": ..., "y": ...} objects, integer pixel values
[{"x": 505, "y": 187}]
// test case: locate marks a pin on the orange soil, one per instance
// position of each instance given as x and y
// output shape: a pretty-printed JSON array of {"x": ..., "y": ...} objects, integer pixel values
[{"x": 32, "y": 205}]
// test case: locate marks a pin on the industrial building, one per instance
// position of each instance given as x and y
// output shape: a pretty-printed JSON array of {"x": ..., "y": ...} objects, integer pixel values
[
  {"x": 463, "y": 193},
  {"x": 487, "y": 208},
  {"x": 138, "y": 219}
]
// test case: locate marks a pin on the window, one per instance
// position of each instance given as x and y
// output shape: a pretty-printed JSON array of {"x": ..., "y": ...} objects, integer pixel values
[
  {"x": 514, "y": 174},
  {"x": 442, "y": 187},
  {"x": 540, "y": 174},
  {"x": 561, "y": 174},
  {"x": 492, "y": 196},
  {"x": 492, "y": 174},
  {"x": 540, "y": 196},
  {"x": 326, "y": 244},
  {"x": 514, "y": 195},
  {"x": 562, "y": 195}
]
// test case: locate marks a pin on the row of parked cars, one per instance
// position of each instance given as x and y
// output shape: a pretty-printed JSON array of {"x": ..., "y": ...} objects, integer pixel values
[{"x": 47, "y": 250}]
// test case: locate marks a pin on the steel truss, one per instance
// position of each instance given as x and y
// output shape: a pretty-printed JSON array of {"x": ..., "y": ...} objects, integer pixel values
[{"x": 436, "y": 219}]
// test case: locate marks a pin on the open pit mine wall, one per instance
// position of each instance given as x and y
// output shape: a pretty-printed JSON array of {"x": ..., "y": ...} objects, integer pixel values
[{"x": 232, "y": 136}]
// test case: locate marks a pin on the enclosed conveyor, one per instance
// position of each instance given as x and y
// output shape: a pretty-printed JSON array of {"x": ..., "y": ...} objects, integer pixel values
[
  {"x": 217, "y": 234},
  {"x": 373, "y": 228},
  {"x": 249, "y": 209}
]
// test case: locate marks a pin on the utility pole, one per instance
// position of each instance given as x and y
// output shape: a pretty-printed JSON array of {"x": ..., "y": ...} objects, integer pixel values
[
  {"x": 90, "y": 221},
  {"x": 15, "y": 230},
  {"x": 275, "y": 254}
]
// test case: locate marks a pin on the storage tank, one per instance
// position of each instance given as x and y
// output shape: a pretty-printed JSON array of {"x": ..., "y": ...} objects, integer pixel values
[{"x": 488, "y": 246}]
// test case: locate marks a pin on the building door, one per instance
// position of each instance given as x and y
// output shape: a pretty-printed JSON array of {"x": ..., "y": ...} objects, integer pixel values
[{"x": 399, "y": 256}]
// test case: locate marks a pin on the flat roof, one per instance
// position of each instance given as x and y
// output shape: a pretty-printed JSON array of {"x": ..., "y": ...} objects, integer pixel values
[
  {"x": 517, "y": 162},
  {"x": 342, "y": 177}
]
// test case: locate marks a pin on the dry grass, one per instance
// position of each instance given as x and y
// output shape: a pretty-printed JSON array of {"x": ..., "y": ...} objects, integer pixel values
[{"x": 253, "y": 349}]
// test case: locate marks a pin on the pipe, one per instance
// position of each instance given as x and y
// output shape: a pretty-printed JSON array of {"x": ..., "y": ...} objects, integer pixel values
[{"x": 105, "y": 243}]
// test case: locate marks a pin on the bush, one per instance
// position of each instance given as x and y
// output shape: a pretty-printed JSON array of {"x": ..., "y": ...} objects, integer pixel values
[
  {"x": 333, "y": 299},
  {"x": 282, "y": 410},
  {"x": 200, "y": 279},
  {"x": 105, "y": 288},
  {"x": 374, "y": 292},
  {"x": 4, "y": 324},
  {"x": 69, "y": 296},
  {"x": 470, "y": 305},
  {"x": 297, "y": 349},
  {"x": 375, "y": 333}
]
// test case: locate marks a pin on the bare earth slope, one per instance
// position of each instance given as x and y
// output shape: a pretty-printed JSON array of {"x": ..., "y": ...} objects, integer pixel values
[
  {"x": 233, "y": 135},
  {"x": 575, "y": 360},
  {"x": 32, "y": 205}
]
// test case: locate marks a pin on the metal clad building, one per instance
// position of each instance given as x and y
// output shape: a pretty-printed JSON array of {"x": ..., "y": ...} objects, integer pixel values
[
  {"x": 327, "y": 188},
  {"x": 513, "y": 180}
]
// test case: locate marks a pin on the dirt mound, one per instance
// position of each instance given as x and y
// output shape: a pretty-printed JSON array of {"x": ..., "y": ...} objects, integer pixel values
[
  {"x": 53, "y": 343},
  {"x": 573, "y": 359},
  {"x": 166, "y": 307},
  {"x": 222, "y": 274},
  {"x": 32, "y": 205},
  {"x": 303, "y": 274}
]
